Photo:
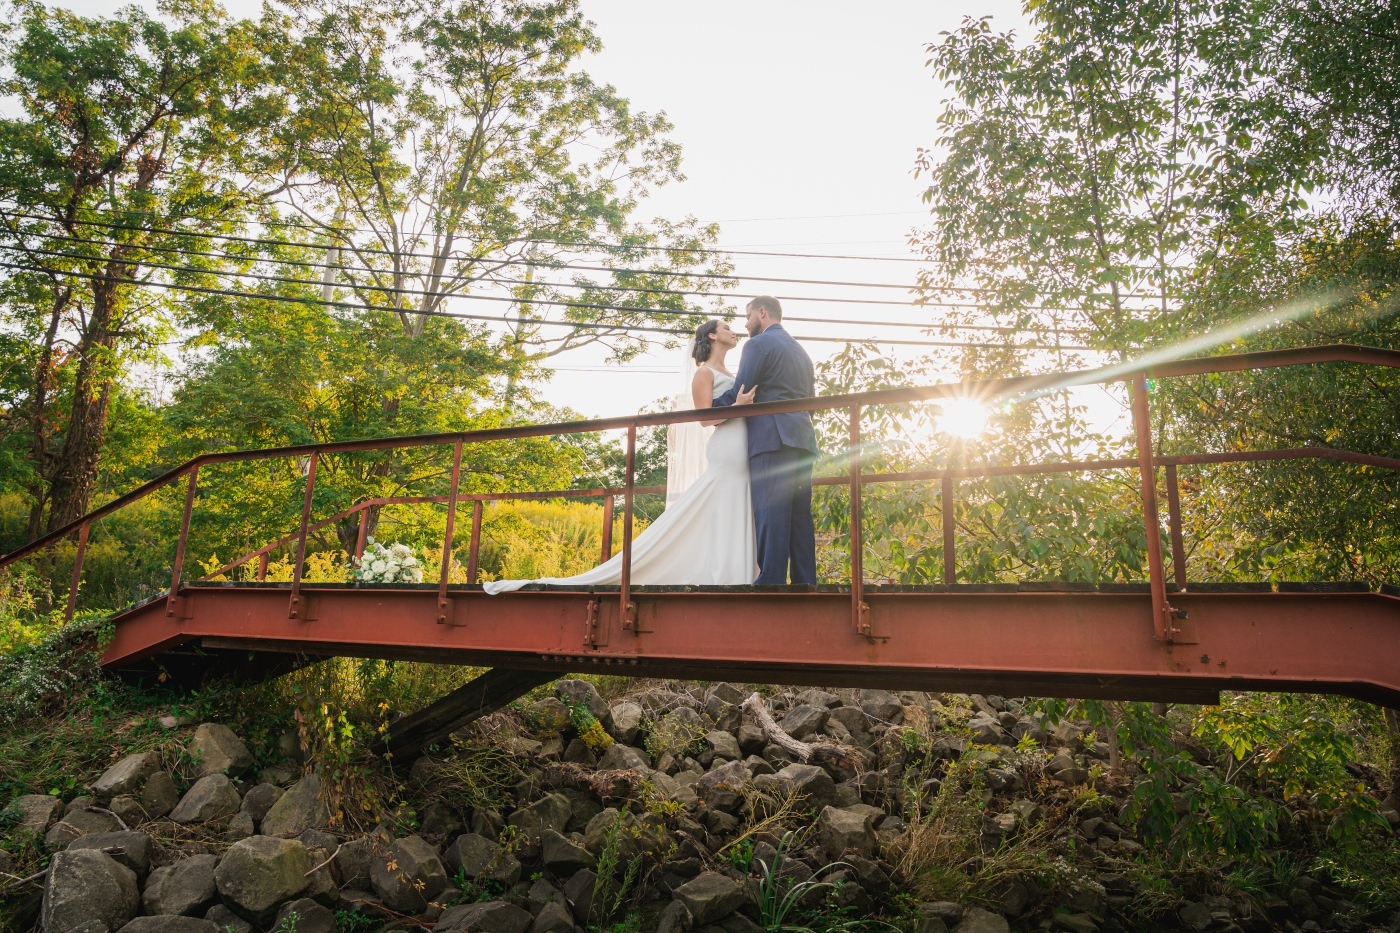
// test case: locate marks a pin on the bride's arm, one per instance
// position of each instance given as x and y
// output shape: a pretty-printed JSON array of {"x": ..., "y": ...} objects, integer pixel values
[{"x": 702, "y": 389}]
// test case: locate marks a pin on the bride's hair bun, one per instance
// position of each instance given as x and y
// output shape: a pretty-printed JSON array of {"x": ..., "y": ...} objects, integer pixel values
[{"x": 702, "y": 345}]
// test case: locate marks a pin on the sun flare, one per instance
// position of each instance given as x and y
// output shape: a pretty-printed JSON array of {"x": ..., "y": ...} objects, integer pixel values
[{"x": 963, "y": 417}]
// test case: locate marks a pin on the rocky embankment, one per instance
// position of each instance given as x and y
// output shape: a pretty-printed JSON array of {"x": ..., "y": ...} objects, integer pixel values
[{"x": 675, "y": 807}]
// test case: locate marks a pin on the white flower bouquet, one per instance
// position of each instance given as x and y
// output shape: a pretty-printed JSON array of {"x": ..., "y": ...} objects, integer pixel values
[{"x": 392, "y": 564}]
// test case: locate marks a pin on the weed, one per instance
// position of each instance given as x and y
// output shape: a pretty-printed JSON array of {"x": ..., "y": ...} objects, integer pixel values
[
  {"x": 779, "y": 898},
  {"x": 348, "y": 921},
  {"x": 740, "y": 855},
  {"x": 610, "y": 891}
]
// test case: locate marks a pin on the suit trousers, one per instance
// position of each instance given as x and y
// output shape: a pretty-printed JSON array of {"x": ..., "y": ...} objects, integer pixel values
[{"x": 780, "y": 484}]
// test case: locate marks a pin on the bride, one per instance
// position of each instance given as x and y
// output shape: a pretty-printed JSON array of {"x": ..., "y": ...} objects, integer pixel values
[{"x": 706, "y": 534}]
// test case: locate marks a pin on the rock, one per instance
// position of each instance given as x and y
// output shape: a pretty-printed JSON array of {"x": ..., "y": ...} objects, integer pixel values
[
  {"x": 160, "y": 795},
  {"x": 127, "y": 776},
  {"x": 881, "y": 706},
  {"x": 260, "y": 873},
  {"x": 240, "y": 826},
  {"x": 1195, "y": 916},
  {"x": 751, "y": 739},
  {"x": 579, "y": 891},
  {"x": 438, "y": 820},
  {"x": 299, "y": 809},
  {"x": 259, "y": 800},
  {"x": 675, "y": 918},
  {"x": 353, "y": 859},
  {"x": 624, "y": 758},
  {"x": 977, "y": 920},
  {"x": 408, "y": 876},
  {"x": 929, "y": 924},
  {"x": 551, "y": 812},
  {"x": 77, "y": 823},
  {"x": 36, "y": 813},
  {"x": 135, "y": 848},
  {"x": 475, "y": 856},
  {"x": 582, "y": 693},
  {"x": 87, "y": 887},
  {"x": 216, "y": 750},
  {"x": 733, "y": 775},
  {"x": 554, "y": 917},
  {"x": 226, "y": 921},
  {"x": 578, "y": 752},
  {"x": 1012, "y": 895},
  {"x": 728, "y": 693},
  {"x": 626, "y": 721},
  {"x": 561, "y": 856},
  {"x": 1027, "y": 811},
  {"x": 803, "y": 721},
  {"x": 172, "y": 924},
  {"x": 1075, "y": 923},
  {"x": 950, "y": 912},
  {"x": 183, "y": 887},
  {"x": 814, "y": 696},
  {"x": 724, "y": 745},
  {"x": 548, "y": 716},
  {"x": 321, "y": 885},
  {"x": 710, "y": 896},
  {"x": 212, "y": 797},
  {"x": 305, "y": 916},
  {"x": 812, "y": 784},
  {"x": 128, "y": 810},
  {"x": 839, "y": 831},
  {"x": 486, "y": 917},
  {"x": 853, "y": 718}
]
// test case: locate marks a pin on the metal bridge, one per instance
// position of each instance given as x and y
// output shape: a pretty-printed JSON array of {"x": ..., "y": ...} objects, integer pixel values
[{"x": 1166, "y": 638}]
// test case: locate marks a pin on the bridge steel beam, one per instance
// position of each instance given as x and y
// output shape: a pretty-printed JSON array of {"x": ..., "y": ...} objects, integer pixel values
[{"x": 1077, "y": 644}]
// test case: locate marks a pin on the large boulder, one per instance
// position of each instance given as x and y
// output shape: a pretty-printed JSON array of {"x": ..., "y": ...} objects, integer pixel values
[
  {"x": 582, "y": 693},
  {"x": 561, "y": 856},
  {"x": 626, "y": 721},
  {"x": 724, "y": 745},
  {"x": 624, "y": 758},
  {"x": 353, "y": 859},
  {"x": 212, "y": 797},
  {"x": 803, "y": 720},
  {"x": 881, "y": 706},
  {"x": 226, "y": 921},
  {"x": 305, "y": 916},
  {"x": 88, "y": 887},
  {"x": 216, "y": 750},
  {"x": 852, "y": 717},
  {"x": 127, "y": 776},
  {"x": 550, "y": 812},
  {"x": 813, "y": 786},
  {"x": 132, "y": 849},
  {"x": 553, "y": 918},
  {"x": 79, "y": 822},
  {"x": 160, "y": 795},
  {"x": 36, "y": 812},
  {"x": 299, "y": 809},
  {"x": 170, "y": 924},
  {"x": 841, "y": 831},
  {"x": 184, "y": 887},
  {"x": 710, "y": 896},
  {"x": 259, "y": 874},
  {"x": 475, "y": 856},
  {"x": 408, "y": 876},
  {"x": 486, "y": 917},
  {"x": 977, "y": 920},
  {"x": 549, "y": 716}
]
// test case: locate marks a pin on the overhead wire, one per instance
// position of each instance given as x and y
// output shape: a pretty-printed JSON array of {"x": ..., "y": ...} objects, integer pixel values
[
  {"x": 587, "y": 325},
  {"x": 308, "y": 264},
  {"x": 523, "y": 262}
]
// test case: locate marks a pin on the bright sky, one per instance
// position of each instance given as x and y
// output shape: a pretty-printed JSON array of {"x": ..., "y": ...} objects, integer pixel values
[{"x": 800, "y": 122}]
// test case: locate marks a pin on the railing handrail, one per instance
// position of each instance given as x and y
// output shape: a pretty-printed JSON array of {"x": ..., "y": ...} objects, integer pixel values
[{"x": 979, "y": 388}]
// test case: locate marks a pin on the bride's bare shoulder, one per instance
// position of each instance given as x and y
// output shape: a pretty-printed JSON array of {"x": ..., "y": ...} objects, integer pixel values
[{"x": 704, "y": 378}]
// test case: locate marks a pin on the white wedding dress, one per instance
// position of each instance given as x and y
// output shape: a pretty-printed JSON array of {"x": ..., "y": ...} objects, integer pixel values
[{"x": 705, "y": 536}]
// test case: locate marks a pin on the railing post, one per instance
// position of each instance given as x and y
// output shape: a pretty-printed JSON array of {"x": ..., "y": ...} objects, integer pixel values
[
  {"x": 950, "y": 561},
  {"x": 628, "y": 607},
  {"x": 77, "y": 573},
  {"x": 362, "y": 534},
  {"x": 262, "y": 567},
  {"x": 1163, "y": 616},
  {"x": 607, "y": 526},
  {"x": 172, "y": 600},
  {"x": 1174, "y": 524},
  {"x": 294, "y": 607},
  {"x": 474, "y": 549},
  {"x": 444, "y": 609},
  {"x": 860, "y": 612}
]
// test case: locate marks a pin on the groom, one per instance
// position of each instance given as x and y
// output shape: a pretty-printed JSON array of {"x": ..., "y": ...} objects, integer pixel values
[{"x": 781, "y": 447}]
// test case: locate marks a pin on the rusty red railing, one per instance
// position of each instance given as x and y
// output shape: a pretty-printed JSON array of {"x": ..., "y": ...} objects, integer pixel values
[{"x": 1164, "y": 615}]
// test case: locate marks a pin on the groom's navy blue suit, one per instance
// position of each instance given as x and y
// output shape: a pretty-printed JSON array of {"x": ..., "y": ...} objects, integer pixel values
[{"x": 781, "y": 451}]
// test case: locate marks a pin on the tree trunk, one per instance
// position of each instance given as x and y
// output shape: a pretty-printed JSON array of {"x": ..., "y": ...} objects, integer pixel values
[
  {"x": 1392, "y": 721},
  {"x": 45, "y": 380}
]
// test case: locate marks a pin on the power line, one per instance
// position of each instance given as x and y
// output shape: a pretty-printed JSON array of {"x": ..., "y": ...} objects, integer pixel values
[
  {"x": 197, "y": 289},
  {"x": 527, "y": 262}
]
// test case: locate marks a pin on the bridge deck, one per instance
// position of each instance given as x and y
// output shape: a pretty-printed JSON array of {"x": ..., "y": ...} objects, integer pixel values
[{"x": 1041, "y": 639}]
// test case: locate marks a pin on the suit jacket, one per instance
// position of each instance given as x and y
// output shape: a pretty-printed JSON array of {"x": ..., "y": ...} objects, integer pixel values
[{"x": 782, "y": 370}]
